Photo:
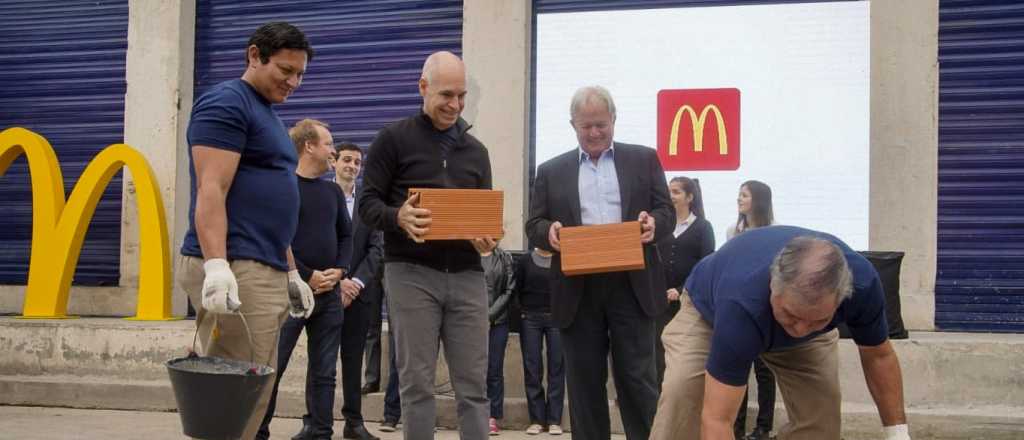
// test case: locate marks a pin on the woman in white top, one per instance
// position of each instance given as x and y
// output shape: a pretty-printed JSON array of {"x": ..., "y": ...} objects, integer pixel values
[{"x": 755, "y": 210}]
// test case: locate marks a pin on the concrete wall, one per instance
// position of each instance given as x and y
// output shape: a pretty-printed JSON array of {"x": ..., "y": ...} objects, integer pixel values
[
  {"x": 496, "y": 48},
  {"x": 161, "y": 40},
  {"x": 904, "y": 147},
  {"x": 161, "y": 35},
  {"x": 957, "y": 386}
]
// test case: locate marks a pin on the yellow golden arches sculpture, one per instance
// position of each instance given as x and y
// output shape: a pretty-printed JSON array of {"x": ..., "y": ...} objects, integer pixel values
[
  {"x": 697, "y": 123},
  {"x": 58, "y": 229}
]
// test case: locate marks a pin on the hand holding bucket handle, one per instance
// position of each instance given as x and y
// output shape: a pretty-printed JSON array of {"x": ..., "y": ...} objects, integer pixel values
[
  {"x": 248, "y": 333},
  {"x": 220, "y": 295},
  {"x": 220, "y": 288}
]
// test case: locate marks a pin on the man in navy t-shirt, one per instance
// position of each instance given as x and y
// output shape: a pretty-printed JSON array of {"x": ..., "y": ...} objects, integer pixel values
[
  {"x": 776, "y": 292},
  {"x": 244, "y": 206}
]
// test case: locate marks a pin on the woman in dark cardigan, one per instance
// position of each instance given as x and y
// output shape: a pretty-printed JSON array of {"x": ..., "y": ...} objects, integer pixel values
[{"x": 692, "y": 239}]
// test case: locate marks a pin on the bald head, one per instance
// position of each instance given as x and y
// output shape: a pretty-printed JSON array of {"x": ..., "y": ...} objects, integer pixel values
[
  {"x": 442, "y": 62},
  {"x": 443, "y": 87}
]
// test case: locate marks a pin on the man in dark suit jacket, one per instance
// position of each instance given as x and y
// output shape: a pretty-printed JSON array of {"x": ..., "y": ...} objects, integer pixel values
[
  {"x": 363, "y": 289},
  {"x": 361, "y": 292},
  {"x": 605, "y": 182}
]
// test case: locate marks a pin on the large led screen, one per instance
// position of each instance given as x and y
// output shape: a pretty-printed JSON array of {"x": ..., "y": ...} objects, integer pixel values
[{"x": 776, "y": 93}]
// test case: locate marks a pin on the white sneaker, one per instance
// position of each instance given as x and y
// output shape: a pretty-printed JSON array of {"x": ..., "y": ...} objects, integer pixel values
[
  {"x": 534, "y": 429},
  {"x": 555, "y": 430}
]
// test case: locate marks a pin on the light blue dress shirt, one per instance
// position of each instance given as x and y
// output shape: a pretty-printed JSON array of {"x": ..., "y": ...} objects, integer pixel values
[{"x": 600, "y": 201}]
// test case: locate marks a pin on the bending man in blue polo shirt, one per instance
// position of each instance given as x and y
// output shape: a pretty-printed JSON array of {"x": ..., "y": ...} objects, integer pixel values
[{"x": 776, "y": 292}]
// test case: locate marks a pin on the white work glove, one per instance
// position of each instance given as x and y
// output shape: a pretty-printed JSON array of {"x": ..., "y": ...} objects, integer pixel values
[
  {"x": 300, "y": 296},
  {"x": 896, "y": 432},
  {"x": 220, "y": 289}
]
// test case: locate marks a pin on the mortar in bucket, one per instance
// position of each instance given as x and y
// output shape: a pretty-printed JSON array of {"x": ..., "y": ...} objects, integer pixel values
[{"x": 216, "y": 396}]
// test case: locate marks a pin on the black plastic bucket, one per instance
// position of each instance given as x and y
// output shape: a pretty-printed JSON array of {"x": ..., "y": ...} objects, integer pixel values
[{"x": 216, "y": 396}]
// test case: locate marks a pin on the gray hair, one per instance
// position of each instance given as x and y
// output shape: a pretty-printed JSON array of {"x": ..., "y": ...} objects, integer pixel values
[
  {"x": 812, "y": 269},
  {"x": 591, "y": 94}
]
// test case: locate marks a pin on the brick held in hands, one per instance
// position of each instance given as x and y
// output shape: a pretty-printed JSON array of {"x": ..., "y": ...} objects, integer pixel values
[
  {"x": 462, "y": 214},
  {"x": 590, "y": 249}
]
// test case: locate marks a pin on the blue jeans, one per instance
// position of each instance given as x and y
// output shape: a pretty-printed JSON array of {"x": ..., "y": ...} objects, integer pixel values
[
  {"x": 323, "y": 330},
  {"x": 496, "y": 342},
  {"x": 392, "y": 401},
  {"x": 536, "y": 328}
]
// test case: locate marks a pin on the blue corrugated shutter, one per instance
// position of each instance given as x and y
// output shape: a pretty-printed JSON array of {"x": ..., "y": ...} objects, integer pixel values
[
  {"x": 980, "y": 278},
  {"x": 63, "y": 77},
  {"x": 368, "y": 55}
]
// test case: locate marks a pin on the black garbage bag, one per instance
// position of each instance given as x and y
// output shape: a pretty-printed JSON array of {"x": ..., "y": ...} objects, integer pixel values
[{"x": 888, "y": 266}]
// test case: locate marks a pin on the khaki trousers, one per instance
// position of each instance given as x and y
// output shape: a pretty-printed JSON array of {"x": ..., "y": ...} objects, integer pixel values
[
  {"x": 263, "y": 292},
  {"x": 807, "y": 374}
]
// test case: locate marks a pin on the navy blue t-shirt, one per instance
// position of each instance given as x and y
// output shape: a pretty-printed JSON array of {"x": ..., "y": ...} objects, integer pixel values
[
  {"x": 730, "y": 289},
  {"x": 263, "y": 201}
]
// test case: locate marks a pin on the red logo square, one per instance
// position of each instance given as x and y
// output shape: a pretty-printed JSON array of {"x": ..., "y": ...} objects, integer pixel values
[{"x": 699, "y": 129}]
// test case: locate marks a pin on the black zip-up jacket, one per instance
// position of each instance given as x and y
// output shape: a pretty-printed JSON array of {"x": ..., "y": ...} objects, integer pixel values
[
  {"x": 499, "y": 273},
  {"x": 408, "y": 154}
]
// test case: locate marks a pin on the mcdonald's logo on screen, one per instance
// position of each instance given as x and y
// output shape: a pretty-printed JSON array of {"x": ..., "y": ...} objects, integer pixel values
[{"x": 699, "y": 129}]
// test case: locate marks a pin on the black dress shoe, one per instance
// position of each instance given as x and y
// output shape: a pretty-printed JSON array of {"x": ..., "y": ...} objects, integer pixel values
[
  {"x": 757, "y": 434},
  {"x": 304, "y": 434},
  {"x": 358, "y": 432},
  {"x": 370, "y": 388}
]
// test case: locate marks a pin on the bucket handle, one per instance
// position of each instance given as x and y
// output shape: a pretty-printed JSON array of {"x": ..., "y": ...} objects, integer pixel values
[{"x": 248, "y": 332}]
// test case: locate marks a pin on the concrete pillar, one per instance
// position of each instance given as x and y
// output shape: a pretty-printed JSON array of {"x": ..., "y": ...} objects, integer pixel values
[
  {"x": 496, "y": 48},
  {"x": 161, "y": 37},
  {"x": 904, "y": 147}
]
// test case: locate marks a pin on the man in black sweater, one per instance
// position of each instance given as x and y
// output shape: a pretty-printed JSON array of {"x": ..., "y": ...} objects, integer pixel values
[
  {"x": 323, "y": 249},
  {"x": 435, "y": 289}
]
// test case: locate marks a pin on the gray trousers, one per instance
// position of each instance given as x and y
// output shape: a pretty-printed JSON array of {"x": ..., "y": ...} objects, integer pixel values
[{"x": 429, "y": 307}]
